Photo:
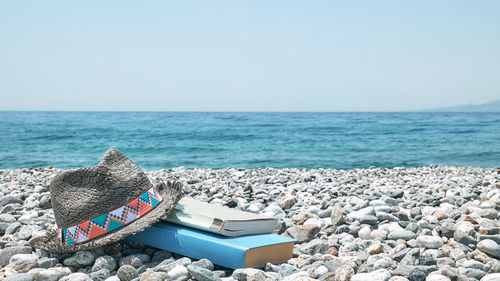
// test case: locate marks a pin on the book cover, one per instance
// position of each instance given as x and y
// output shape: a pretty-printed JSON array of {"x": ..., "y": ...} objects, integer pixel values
[
  {"x": 219, "y": 219},
  {"x": 231, "y": 252}
]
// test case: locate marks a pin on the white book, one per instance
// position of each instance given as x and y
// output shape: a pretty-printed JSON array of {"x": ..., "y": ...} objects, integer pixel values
[{"x": 219, "y": 219}]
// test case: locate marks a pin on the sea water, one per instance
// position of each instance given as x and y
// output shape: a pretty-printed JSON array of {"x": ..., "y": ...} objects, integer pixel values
[{"x": 161, "y": 140}]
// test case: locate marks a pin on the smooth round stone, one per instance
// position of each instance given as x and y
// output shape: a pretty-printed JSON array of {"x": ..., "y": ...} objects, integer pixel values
[
  {"x": 78, "y": 276},
  {"x": 253, "y": 208},
  {"x": 48, "y": 262},
  {"x": 20, "y": 277},
  {"x": 391, "y": 201},
  {"x": 378, "y": 233},
  {"x": 179, "y": 272},
  {"x": 368, "y": 219},
  {"x": 490, "y": 247},
  {"x": 398, "y": 278},
  {"x": 107, "y": 262},
  {"x": 473, "y": 264},
  {"x": 437, "y": 277},
  {"x": 401, "y": 234},
  {"x": 375, "y": 248},
  {"x": 205, "y": 263},
  {"x": 202, "y": 274},
  {"x": 491, "y": 277},
  {"x": 53, "y": 274},
  {"x": 80, "y": 259},
  {"x": 364, "y": 232},
  {"x": 377, "y": 275},
  {"x": 249, "y": 274},
  {"x": 7, "y": 218},
  {"x": 430, "y": 242},
  {"x": 472, "y": 273},
  {"x": 131, "y": 260},
  {"x": 357, "y": 215},
  {"x": 101, "y": 274},
  {"x": 24, "y": 233},
  {"x": 154, "y": 276},
  {"x": 23, "y": 262},
  {"x": 13, "y": 227},
  {"x": 126, "y": 272}
]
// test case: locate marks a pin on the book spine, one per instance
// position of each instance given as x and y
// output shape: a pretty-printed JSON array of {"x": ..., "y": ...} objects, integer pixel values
[{"x": 192, "y": 244}]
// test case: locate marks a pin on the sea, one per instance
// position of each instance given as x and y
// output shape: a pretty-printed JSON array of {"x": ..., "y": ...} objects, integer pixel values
[{"x": 337, "y": 140}]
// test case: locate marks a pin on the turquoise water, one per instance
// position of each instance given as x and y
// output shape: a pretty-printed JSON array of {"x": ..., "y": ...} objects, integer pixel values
[{"x": 159, "y": 140}]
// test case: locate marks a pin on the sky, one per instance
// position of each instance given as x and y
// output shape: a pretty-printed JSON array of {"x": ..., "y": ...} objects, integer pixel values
[{"x": 248, "y": 55}]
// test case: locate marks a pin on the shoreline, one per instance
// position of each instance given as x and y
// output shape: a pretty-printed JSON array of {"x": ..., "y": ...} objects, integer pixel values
[{"x": 358, "y": 224}]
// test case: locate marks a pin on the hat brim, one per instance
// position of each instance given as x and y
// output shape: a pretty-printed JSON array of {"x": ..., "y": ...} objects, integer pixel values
[{"x": 171, "y": 193}]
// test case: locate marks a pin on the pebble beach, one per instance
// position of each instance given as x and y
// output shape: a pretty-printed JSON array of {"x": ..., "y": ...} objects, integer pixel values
[{"x": 431, "y": 223}]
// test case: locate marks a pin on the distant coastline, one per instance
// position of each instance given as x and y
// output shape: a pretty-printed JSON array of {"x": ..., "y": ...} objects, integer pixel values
[{"x": 493, "y": 106}]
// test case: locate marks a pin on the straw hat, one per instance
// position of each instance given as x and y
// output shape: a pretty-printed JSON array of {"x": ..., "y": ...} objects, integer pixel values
[{"x": 98, "y": 205}]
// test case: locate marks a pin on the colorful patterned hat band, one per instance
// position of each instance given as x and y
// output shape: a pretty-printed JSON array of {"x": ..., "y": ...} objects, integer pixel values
[{"x": 112, "y": 220}]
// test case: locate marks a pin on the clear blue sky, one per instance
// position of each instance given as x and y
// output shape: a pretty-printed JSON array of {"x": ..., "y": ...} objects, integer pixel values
[{"x": 248, "y": 55}]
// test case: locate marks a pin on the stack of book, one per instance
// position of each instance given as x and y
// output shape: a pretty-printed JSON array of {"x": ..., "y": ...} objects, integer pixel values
[{"x": 228, "y": 237}]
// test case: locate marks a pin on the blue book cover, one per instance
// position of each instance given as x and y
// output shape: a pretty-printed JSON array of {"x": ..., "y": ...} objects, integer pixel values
[{"x": 231, "y": 252}]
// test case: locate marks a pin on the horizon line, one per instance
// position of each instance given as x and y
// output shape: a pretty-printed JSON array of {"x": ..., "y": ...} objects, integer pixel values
[{"x": 251, "y": 111}]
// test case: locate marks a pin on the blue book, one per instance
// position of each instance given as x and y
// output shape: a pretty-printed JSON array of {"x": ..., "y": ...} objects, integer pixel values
[{"x": 231, "y": 252}]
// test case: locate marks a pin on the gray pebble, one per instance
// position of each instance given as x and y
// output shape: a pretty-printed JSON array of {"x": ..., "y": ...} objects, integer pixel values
[
  {"x": 80, "y": 259},
  {"x": 490, "y": 247},
  {"x": 126, "y": 272},
  {"x": 107, "y": 262},
  {"x": 7, "y": 253},
  {"x": 20, "y": 277}
]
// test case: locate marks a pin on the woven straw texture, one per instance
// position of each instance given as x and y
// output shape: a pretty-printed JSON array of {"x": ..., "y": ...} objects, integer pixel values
[{"x": 82, "y": 194}]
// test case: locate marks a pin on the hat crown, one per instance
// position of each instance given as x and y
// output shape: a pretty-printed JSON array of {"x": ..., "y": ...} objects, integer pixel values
[{"x": 82, "y": 194}]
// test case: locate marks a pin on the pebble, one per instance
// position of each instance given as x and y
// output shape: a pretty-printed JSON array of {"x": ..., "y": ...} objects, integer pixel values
[
  {"x": 77, "y": 276},
  {"x": 336, "y": 216},
  {"x": 377, "y": 275},
  {"x": 179, "y": 272},
  {"x": 80, "y": 259},
  {"x": 250, "y": 274},
  {"x": 401, "y": 234},
  {"x": 437, "y": 277},
  {"x": 417, "y": 274},
  {"x": 368, "y": 219},
  {"x": 100, "y": 275},
  {"x": 107, "y": 262},
  {"x": 23, "y": 262},
  {"x": 375, "y": 248},
  {"x": 427, "y": 223},
  {"x": 364, "y": 232},
  {"x": 398, "y": 278},
  {"x": 378, "y": 233},
  {"x": 430, "y": 242},
  {"x": 202, "y": 274},
  {"x": 126, "y": 272},
  {"x": 302, "y": 233},
  {"x": 154, "y": 276},
  {"x": 7, "y": 253},
  {"x": 490, "y": 247},
  {"x": 20, "y": 277},
  {"x": 344, "y": 273},
  {"x": 491, "y": 277}
]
